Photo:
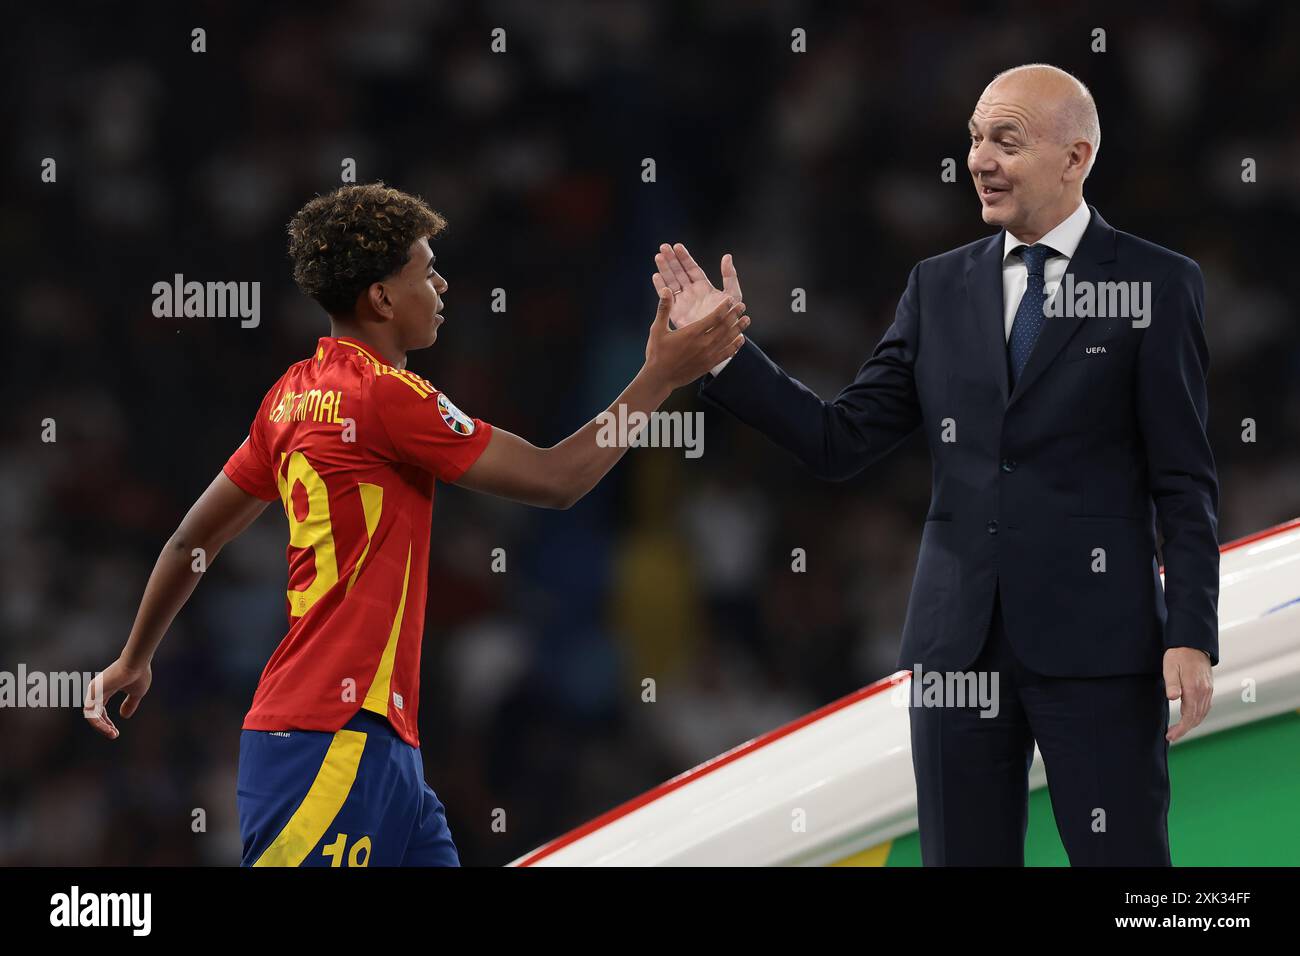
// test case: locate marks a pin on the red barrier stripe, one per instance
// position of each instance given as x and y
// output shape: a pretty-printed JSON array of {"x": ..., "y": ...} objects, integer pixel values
[
  {"x": 1266, "y": 533},
  {"x": 1257, "y": 536}
]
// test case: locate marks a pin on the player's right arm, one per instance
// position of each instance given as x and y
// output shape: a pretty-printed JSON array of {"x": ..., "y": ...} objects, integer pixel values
[
  {"x": 557, "y": 477},
  {"x": 422, "y": 427},
  {"x": 220, "y": 514}
]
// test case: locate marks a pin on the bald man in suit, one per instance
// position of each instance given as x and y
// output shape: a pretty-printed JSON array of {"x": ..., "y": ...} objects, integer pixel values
[{"x": 1060, "y": 442}]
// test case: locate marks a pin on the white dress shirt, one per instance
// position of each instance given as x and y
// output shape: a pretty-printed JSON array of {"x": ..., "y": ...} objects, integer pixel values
[{"x": 1064, "y": 238}]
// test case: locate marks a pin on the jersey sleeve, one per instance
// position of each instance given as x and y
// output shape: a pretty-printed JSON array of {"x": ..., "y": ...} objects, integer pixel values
[
  {"x": 250, "y": 466},
  {"x": 423, "y": 427}
]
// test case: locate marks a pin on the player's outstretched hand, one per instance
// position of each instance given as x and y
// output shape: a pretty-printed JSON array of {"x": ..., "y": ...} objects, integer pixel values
[
  {"x": 117, "y": 676},
  {"x": 682, "y": 276},
  {"x": 675, "y": 357}
]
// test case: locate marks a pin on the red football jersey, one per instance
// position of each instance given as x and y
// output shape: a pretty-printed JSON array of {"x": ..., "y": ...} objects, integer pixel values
[{"x": 351, "y": 447}]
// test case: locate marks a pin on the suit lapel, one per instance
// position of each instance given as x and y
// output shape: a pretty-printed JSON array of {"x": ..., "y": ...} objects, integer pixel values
[
  {"x": 1090, "y": 263},
  {"x": 984, "y": 299}
]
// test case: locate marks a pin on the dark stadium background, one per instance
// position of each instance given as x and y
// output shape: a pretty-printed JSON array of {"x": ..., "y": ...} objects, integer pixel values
[{"x": 818, "y": 170}]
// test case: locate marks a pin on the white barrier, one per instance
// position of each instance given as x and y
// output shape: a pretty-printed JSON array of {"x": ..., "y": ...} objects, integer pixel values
[{"x": 847, "y": 768}]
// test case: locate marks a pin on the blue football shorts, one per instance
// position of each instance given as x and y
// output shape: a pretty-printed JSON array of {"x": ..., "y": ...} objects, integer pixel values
[{"x": 356, "y": 797}]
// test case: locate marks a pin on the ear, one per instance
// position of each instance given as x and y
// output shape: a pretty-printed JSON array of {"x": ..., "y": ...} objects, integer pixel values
[
  {"x": 1076, "y": 158},
  {"x": 378, "y": 300}
]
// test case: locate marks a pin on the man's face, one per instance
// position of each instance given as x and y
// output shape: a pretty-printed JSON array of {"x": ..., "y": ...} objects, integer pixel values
[
  {"x": 1016, "y": 163},
  {"x": 416, "y": 295}
]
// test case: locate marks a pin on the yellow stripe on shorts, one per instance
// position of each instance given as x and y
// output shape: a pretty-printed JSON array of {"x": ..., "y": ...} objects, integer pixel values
[
  {"x": 877, "y": 855},
  {"x": 322, "y": 804}
]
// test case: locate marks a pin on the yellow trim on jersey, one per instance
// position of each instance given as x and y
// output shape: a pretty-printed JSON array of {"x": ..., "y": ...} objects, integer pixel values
[
  {"x": 380, "y": 688},
  {"x": 328, "y": 792},
  {"x": 372, "y": 503},
  {"x": 409, "y": 378},
  {"x": 417, "y": 384},
  {"x": 373, "y": 361}
]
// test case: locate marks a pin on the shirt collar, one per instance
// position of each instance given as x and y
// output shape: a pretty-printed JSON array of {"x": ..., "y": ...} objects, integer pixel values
[
  {"x": 349, "y": 344},
  {"x": 1064, "y": 237}
]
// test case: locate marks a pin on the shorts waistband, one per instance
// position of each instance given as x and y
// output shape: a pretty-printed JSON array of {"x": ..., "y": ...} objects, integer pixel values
[{"x": 368, "y": 720}]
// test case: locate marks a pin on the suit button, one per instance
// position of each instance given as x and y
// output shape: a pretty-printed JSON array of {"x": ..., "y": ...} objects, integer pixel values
[
  {"x": 1008, "y": 465},
  {"x": 993, "y": 527}
]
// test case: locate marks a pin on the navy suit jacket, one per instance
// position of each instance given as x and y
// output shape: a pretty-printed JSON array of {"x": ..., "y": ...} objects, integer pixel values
[{"x": 1103, "y": 436}]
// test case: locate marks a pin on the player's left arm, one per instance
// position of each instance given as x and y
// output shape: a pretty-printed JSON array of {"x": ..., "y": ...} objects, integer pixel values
[{"x": 221, "y": 514}]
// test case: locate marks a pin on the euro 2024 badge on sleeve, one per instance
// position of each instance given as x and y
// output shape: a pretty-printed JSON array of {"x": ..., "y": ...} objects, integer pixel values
[{"x": 456, "y": 420}]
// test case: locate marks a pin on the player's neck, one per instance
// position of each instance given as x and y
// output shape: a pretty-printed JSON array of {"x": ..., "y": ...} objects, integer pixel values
[{"x": 387, "y": 351}]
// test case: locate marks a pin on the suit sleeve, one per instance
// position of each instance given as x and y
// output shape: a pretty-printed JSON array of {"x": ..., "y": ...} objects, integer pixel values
[
  {"x": 836, "y": 439},
  {"x": 1173, "y": 411},
  {"x": 421, "y": 426}
]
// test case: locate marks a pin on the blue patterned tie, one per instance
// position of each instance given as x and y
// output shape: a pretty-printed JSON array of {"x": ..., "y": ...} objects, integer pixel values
[{"x": 1029, "y": 314}]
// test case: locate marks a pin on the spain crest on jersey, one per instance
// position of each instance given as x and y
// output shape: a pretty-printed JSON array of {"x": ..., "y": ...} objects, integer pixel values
[{"x": 456, "y": 420}]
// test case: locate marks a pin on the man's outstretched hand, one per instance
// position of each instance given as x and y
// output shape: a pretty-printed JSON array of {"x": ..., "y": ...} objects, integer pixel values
[
  {"x": 690, "y": 287},
  {"x": 676, "y": 357}
]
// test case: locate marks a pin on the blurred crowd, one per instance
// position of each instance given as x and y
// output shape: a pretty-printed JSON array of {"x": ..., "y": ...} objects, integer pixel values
[{"x": 817, "y": 170}]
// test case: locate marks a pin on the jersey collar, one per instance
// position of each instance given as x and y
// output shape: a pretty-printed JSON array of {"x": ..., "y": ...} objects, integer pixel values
[{"x": 349, "y": 344}]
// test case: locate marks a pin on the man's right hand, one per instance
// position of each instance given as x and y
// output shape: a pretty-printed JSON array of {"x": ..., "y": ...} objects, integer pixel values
[
  {"x": 676, "y": 357},
  {"x": 691, "y": 288},
  {"x": 557, "y": 477}
]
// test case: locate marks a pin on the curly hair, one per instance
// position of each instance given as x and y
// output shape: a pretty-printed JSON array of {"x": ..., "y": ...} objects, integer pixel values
[{"x": 343, "y": 241}]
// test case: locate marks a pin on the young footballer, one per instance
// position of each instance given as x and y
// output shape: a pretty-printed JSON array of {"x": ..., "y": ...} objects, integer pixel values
[{"x": 351, "y": 444}]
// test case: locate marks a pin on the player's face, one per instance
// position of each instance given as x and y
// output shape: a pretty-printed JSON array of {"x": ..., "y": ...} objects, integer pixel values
[
  {"x": 1017, "y": 169},
  {"x": 417, "y": 298}
]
